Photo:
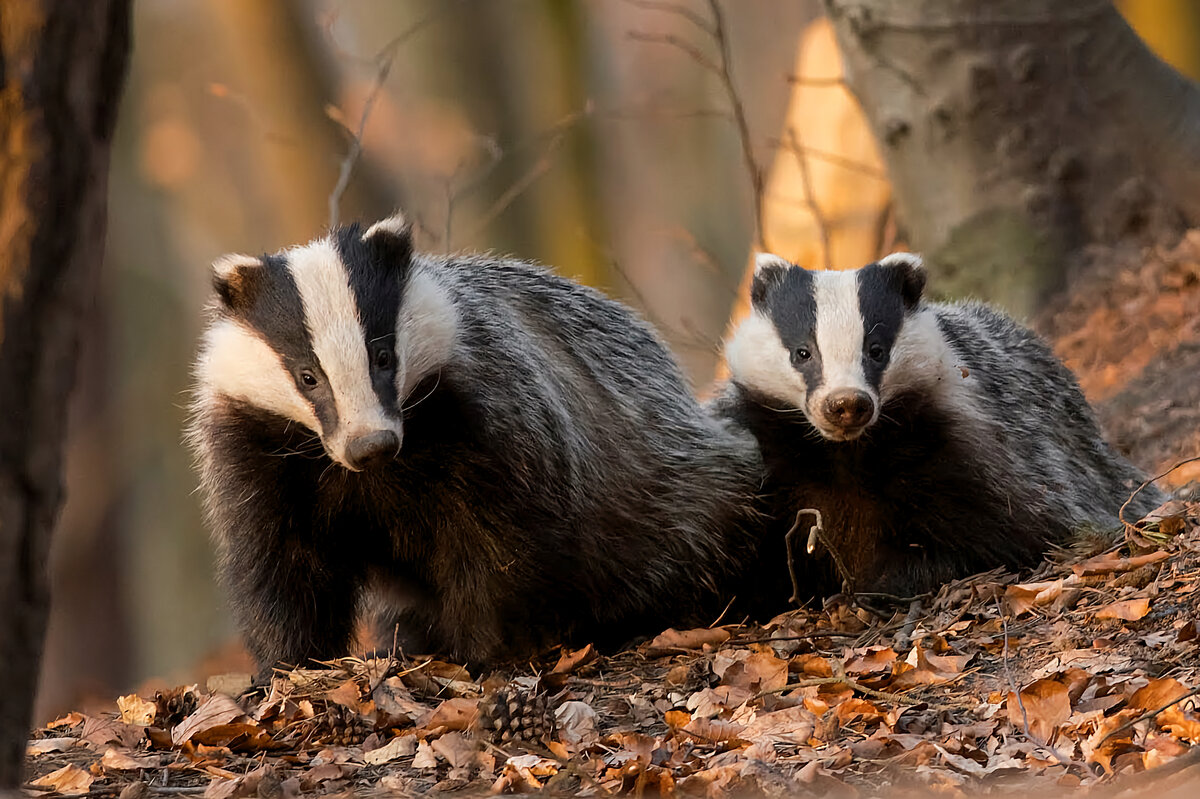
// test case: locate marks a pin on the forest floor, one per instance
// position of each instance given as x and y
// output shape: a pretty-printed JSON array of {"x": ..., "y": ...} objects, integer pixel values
[{"x": 1082, "y": 678}]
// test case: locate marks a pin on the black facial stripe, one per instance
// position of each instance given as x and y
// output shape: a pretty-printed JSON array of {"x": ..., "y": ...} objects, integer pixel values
[
  {"x": 378, "y": 289},
  {"x": 881, "y": 304},
  {"x": 276, "y": 311},
  {"x": 790, "y": 303}
]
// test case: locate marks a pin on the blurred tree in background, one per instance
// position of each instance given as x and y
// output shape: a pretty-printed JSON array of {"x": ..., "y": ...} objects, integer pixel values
[{"x": 633, "y": 144}]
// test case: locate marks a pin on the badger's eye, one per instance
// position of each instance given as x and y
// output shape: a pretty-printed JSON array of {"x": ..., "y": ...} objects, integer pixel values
[
  {"x": 308, "y": 379},
  {"x": 876, "y": 352},
  {"x": 383, "y": 358},
  {"x": 801, "y": 354}
]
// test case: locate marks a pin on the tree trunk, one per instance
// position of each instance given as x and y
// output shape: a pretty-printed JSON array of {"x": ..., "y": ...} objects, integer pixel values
[
  {"x": 62, "y": 65},
  {"x": 1017, "y": 132}
]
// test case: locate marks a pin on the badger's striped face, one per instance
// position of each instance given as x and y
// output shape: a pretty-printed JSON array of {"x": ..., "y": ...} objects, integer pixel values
[
  {"x": 821, "y": 342},
  {"x": 332, "y": 335}
]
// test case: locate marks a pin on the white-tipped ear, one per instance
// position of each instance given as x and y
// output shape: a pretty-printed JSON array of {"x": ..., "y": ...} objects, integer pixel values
[
  {"x": 227, "y": 265},
  {"x": 766, "y": 260},
  {"x": 395, "y": 225},
  {"x": 910, "y": 259}
]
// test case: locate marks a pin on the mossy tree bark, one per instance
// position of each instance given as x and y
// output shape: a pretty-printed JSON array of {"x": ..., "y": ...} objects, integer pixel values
[
  {"x": 1018, "y": 132},
  {"x": 62, "y": 65}
]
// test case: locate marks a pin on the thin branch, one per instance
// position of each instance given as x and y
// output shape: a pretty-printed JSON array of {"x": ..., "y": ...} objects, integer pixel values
[
  {"x": 811, "y": 197},
  {"x": 676, "y": 9},
  {"x": 1139, "y": 489},
  {"x": 723, "y": 70},
  {"x": 757, "y": 179},
  {"x": 682, "y": 44},
  {"x": 1149, "y": 714},
  {"x": 383, "y": 62},
  {"x": 540, "y": 167}
]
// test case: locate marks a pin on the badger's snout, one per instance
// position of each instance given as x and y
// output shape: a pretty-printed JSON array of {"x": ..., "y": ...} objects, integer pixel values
[
  {"x": 371, "y": 449},
  {"x": 849, "y": 410}
]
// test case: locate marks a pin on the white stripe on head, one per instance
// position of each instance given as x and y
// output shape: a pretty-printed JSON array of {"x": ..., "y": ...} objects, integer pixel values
[
  {"x": 758, "y": 361},
  {"x": 426, "y": 330},
  {"x": 336, "y": 332},
  {"x": 235, "y": 362},
  {"x": 839, "y": 331}
]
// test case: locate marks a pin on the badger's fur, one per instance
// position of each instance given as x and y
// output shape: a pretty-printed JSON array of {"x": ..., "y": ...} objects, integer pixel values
[
  {"x": 514, "y": 455},
  {"x": 936, "y": 440}
]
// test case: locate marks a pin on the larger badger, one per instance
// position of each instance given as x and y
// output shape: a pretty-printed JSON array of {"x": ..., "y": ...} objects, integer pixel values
[
  {"x": 936, "y": 440},
  {"x": 510, "y": 455}
]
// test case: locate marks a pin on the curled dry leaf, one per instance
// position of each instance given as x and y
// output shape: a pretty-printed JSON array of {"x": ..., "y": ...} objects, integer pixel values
[
  {"x": 424, "y": 757},
  {"x": 46, "y": 745},
  {"x": 454, "y": 714},
  {"x": 1110, "y": 563},
  {"x": 346, "y": 695},
  {"x": 69, "y": 780},
  {"x": 1047, "y": 705},
  {"x": 135, "y": 710},
  {"x": 122, "y": 761},
  {"x": 400, "y": 746},
  {"x": 456, "y": 749},
  {"x": 671, "y": 640},
  {"x": 571, "y": 660},
  {"x": 1023, "y": 598},
  {"x": 577, "y": 725},
  {"x": 792, "y": 725},
  {"x": 756, "y": 672},
  {"x": 1126, "y": 609},
  {"x": 216, "y": 710}
]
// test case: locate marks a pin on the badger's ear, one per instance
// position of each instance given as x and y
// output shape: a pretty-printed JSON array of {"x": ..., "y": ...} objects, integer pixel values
[
  {"x": 769, "y": 271},
  {"x": 909, "y": 271},
  {"x": 234, "y": 277},
  {"x": 392, "y": 239}
]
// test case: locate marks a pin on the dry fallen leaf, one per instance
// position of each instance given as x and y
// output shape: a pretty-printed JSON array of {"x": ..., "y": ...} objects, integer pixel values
[
  {"x": 135, "y": 710},
  {"x": 1110, "y": 563},
  {"x": 1047, "y": 705},
  {"x": 69, "y": 780},
  {"x": 454, "y": 714},
  {"x": 1127, "y": 609},
  {"x": 400, "y": 746},
  {"x": 424, "y": 758},
  {"x": 123, "y": 761},
  {"x": 215, "y": 710},
  {"x": 569, "y": 660},
  {"x": 671, "y": 640},
  {"x": 47, "y": 745},
  {"x": 577, "y": 725}
]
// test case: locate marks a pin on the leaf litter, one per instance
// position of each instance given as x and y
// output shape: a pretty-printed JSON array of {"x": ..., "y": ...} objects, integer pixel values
[{"x": 1081, "y": 677}]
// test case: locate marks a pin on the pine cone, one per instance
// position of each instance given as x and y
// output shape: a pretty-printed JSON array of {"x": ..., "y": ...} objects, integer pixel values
[
  {"x": 512, "y": 714},
  {"x": 173, "y": 706},
  {"x": 340, "y": 726}
]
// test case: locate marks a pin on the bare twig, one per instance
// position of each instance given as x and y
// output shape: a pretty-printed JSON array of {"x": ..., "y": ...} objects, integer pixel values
[
  {"x": 722, "y": 68},
  {"x": 383, "y": 62},
  {"x": 677, "y": 9},
  {"x": 1139, "y": 489},
  {"x": 755, "y": 171},
  {"x": 1016, "y": 691},
  {"x": 810, "y": 197},
  {"x": 810, "y": 547},
  {"x": 556, "y": 135},
  {"x": 1149, "y": 714}
]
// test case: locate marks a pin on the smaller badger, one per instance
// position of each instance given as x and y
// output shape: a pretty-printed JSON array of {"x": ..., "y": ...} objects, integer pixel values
[
  {"x": 936, "y": 440},
  {"x": 507, "y": 455}
]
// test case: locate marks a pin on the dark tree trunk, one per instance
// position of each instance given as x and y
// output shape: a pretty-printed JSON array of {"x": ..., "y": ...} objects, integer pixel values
[
  {"x": 62, "y": 64},
  {"x": 1017, "y": 132}
]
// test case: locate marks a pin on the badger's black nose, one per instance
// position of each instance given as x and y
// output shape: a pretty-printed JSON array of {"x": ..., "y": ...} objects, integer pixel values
[
  {"x": 371, "y": 449},
  {"x": 849, "y": 409}
]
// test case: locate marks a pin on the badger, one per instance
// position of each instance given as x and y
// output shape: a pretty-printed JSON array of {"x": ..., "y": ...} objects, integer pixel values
[
  {"x": 935, "y": 440},
  {"x": 508, "y": 456}
]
